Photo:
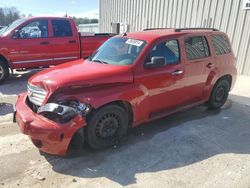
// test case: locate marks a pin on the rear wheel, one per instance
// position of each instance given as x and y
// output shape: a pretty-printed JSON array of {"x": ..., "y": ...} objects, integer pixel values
[
  {"x": 4, "y": 71},
  {"x": 219, "y": 94},
  {"x": 106, "y": 127}
]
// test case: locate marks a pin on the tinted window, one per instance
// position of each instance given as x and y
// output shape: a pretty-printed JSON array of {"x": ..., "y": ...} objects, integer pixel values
[
  {"x": 196, "y": 47},
  {"x": 61, "y": 28},
  {"x": 168, "y": 49},
  {"x": 221, "y": 44},
  {"x": 35, "y": 29}
]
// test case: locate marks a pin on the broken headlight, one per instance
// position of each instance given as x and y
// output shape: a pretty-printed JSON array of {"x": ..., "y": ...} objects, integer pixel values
[
  {"x": 64, "y": 112},
  {"x": 81, "y": 108}
]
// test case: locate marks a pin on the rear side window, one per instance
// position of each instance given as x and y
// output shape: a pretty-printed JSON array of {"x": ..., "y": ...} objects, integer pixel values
[
  {"x": 221, "y": 44},
  {"x": 61, "y": 28},
  {"x": 196, "y": 47},
  {"x": 168, "y": 49}
]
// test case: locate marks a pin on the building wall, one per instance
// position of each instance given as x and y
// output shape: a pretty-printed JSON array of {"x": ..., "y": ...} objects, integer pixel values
[{"x": 226, "y": 15}]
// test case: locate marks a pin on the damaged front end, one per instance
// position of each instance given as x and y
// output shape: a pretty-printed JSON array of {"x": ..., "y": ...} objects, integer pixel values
[
  {"x": 60, "y": 112},
  {"x": 64, "y": 112},
  {"x": 54, "y": 126}
]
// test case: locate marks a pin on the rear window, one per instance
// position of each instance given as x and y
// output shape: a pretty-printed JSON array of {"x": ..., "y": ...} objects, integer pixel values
[
  {"x": 61, "y": 28},
  {"x": 196, "y": 47},
  {"x": 221, "y": 44}
]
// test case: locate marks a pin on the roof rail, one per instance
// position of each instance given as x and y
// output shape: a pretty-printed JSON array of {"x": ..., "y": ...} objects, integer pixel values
[
  {"x": 196, "y": 28},
  {"x": 148, "y": 29},
  {"x": 180, "y": 29}
]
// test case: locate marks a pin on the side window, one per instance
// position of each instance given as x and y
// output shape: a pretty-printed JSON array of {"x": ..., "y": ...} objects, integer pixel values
[
  {"x": 61, "y": 28},
  {"x": 35, "y": 29},
  {"x": 196, "y": 47},
  {"x": 168, "y": 49},
  {"x": 221, "y": 44}
]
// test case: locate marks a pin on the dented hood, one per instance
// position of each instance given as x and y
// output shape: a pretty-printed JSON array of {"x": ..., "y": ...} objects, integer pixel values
[{"x": 82, "y": 73}]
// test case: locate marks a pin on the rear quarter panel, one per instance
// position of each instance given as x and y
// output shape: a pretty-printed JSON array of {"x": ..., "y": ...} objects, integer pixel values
[{"x": 224, "y": 64}]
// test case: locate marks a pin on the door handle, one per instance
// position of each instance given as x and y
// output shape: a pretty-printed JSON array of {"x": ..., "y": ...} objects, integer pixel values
[
  {"x": 44, "y": 43},
  {"x": 177, "y": 72},
  {"x": 210, "y": 65},
  {"x": 72, "y": 41}
]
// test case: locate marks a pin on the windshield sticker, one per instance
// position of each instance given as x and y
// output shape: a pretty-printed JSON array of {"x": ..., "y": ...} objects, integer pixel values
[{"x": 134, "y": 42}]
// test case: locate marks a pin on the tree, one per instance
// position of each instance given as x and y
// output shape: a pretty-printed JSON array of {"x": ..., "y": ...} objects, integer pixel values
[
  {"x": 94, "y": 20},
  {"x": 84, "y": 20},
  {"x": 8, "y": 15}
]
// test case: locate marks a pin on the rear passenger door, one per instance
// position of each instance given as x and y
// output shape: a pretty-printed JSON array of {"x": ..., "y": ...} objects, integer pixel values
[
  {"x": 65, "y": 44},
  {"x": 197, "y": 66}
]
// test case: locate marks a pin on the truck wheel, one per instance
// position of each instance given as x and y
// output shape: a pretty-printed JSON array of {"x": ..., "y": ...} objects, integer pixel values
[
  {"x": 219, "y": 94},
  {"x": 106, "y": 127},
  {"x": 4, "y": 71}
]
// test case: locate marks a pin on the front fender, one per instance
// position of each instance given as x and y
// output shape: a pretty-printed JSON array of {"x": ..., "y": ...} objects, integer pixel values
[{"x": 97, "y": 97}]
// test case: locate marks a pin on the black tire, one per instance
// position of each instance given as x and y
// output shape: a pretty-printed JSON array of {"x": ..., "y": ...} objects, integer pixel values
[
  {"x": 4, "y": 71},
  {"x": 219, "y": 94},
  {"x": 77, "y": 140},
  {"x": 106, "y": 127}
]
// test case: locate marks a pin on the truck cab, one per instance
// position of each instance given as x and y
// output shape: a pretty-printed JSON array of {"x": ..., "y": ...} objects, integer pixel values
[{"x": 39, "y": 42}]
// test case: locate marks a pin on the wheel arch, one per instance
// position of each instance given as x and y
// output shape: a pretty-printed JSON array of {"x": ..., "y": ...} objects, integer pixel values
[
  {"x": 124, "y": 105},
  {"x": 213, "y": 78},
  {"x": 227, "y": 77},
  {"x": 211, "y": 103}
]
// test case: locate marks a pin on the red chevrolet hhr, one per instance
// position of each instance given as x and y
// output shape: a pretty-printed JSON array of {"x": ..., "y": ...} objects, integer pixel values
[{"x": 131, "y": 79}]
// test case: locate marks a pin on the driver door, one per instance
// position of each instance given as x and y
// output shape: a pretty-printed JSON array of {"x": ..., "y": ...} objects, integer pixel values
[
  {"x": 165, "y": 84},
  {"x": 30, "y": 46}
]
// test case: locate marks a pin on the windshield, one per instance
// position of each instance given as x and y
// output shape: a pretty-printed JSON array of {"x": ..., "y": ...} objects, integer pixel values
[
  {"x": 118, "y": 51},
  {"x": 11, "y": 26}
]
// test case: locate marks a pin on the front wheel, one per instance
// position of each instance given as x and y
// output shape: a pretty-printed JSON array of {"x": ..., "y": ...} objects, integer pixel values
[
  {"x": 106, "y": 126},
  {"x": 219, "y": 94},
  {"x": 4, "y": 71}
]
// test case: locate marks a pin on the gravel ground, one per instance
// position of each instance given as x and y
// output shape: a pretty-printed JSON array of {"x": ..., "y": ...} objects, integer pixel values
[{"x": 194, "y": 148}]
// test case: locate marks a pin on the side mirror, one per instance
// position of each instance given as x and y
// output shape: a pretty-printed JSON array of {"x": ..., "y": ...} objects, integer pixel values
[
  {"x": 157, "y": 61},
  {"x": 16, "y": 34}
]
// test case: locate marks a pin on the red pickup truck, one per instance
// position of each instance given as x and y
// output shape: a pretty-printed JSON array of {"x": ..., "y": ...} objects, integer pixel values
[
  {"x": 129, "y": 80},
  {"x": 43, "y": 41}
]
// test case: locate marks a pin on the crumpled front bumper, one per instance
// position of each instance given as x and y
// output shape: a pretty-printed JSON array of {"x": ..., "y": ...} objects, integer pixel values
[{"x": 49, "y": 136}]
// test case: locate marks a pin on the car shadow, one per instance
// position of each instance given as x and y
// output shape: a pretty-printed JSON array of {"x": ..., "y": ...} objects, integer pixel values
[
  {"x": 181, "y": 139},
  {"x": 20, "y": 79}
]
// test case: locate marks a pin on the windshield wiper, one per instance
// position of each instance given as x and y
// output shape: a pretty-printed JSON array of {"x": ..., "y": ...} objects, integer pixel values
[{"x": 99, "y": 61}]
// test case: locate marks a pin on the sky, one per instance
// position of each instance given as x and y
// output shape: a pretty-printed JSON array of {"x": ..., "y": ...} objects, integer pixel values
[{"x": 77, "y": 8}]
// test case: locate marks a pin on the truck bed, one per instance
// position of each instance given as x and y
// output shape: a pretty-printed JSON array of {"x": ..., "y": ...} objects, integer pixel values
[{"x": 90, "y": 42}]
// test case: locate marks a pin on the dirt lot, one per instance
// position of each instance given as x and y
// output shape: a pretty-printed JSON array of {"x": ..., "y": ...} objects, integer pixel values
[{"x": 195, "y": 148}]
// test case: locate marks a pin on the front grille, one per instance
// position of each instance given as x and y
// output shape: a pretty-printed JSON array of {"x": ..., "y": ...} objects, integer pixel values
[{"x": 36, "y": 94}]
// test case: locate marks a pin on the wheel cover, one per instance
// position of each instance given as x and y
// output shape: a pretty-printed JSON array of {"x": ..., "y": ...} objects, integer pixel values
[
  {"x": 220, "y": 94},
  {"x": 107, "y": 126}
]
